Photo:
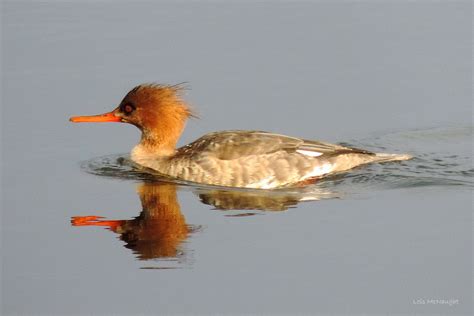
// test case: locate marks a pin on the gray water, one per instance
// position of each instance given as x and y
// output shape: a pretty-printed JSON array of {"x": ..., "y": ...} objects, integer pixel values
[{"x": 84, "y": 231}]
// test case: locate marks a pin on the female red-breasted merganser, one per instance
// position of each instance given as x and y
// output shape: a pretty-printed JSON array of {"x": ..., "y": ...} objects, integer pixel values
[{"x": 248, "y": 159}]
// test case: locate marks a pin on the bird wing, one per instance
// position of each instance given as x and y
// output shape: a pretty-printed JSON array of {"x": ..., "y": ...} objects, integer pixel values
[{"x": 228, "y": 145}]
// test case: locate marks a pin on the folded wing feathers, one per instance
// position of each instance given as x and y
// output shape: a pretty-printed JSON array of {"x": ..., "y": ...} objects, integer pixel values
[
  {"x": 229, "y": 145},
  {"x": 329, "y": 149}
]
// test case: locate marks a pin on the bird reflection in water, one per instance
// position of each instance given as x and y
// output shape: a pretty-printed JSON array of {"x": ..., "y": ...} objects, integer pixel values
[
  {"x": 260, "y": 200},
  {"x": 160, "y": 230}
]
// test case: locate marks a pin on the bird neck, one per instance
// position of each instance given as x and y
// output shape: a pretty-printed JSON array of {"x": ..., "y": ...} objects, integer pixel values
[{"x": 158, "y": 143}]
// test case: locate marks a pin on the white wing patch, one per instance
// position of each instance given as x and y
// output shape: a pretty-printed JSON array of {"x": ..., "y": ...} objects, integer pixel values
[{"x": 309, "y": 153}]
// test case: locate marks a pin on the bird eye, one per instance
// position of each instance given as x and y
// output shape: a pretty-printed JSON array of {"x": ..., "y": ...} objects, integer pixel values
[{"x": 128, "y": 108}]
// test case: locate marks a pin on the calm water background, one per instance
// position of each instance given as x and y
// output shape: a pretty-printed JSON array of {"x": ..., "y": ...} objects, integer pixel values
[{"x": 393, "y": 76}]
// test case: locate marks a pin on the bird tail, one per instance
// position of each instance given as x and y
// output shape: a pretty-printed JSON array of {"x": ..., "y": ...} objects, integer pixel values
[{"x": 382, "y": 157}]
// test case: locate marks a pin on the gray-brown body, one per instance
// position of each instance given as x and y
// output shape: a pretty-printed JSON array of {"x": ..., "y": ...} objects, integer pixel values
[{"x": 254, "y": 159}]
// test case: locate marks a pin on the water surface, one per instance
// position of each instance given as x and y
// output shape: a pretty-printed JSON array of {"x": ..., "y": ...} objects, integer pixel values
[{"x": 86, "y": 232}]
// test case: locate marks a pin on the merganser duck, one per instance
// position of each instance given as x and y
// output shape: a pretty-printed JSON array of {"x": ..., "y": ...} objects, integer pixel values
[{"x": 246, "y": 159}]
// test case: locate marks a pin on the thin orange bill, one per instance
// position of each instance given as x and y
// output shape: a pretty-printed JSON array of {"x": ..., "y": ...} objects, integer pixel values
[{"x": 106, "y": 117}]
